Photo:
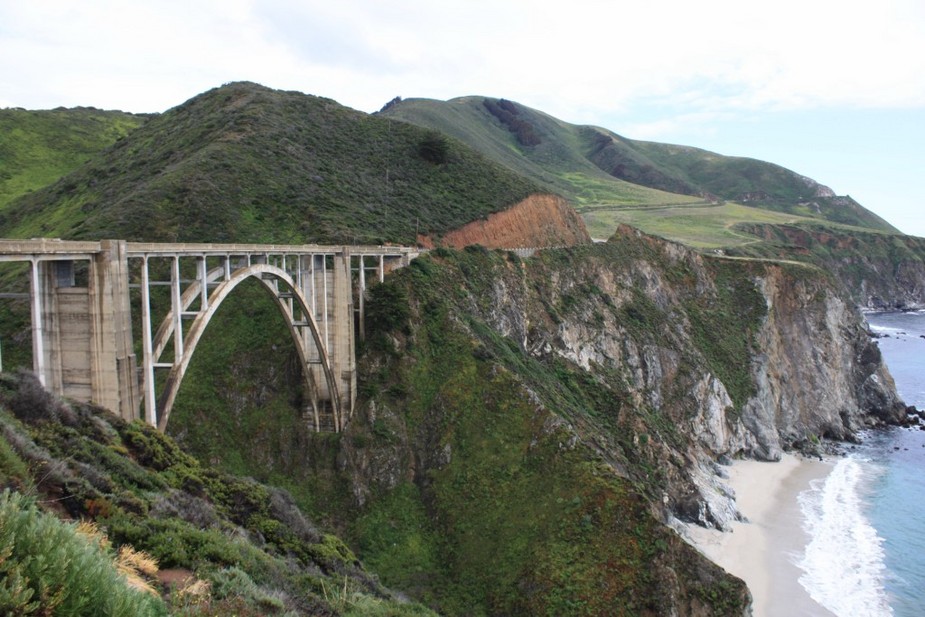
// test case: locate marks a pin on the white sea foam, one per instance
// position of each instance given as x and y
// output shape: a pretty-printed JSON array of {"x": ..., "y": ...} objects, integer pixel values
[
  {"x": 843, "y": 562},
  {"x": 880, "y": 329}
]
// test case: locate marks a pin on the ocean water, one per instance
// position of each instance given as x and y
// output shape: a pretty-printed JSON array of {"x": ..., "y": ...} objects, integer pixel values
[{"x": 866, "y": 520}]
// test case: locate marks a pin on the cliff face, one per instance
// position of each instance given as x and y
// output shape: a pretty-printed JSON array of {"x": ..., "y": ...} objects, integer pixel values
[
  {"x": 813, "y": 368},
  {"x": 537, "y": 221},
  {"x": 878, "y": 271},
  {"x": 746, "y": 358},
  {"x": 489, "y": 377},
  {"x": 818, "y": 373}
]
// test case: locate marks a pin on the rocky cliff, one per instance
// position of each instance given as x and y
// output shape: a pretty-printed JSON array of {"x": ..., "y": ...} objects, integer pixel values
[
  {"x": 489, "y": 377},
  {"x": 876, "y": 270},
  {"x": 746, "y": 358},
  {"x": 535, "y": 222}
]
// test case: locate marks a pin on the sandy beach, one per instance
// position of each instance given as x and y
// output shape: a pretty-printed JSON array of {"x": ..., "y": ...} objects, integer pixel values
[{"x": 761, "y": 551}]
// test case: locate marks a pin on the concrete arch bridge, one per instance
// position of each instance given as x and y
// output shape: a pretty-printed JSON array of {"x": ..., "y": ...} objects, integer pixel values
[{"x": 81, "y": 294}]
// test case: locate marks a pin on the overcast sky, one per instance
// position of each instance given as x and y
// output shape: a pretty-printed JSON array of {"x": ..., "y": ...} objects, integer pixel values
[{"x": 833, "y": 89}]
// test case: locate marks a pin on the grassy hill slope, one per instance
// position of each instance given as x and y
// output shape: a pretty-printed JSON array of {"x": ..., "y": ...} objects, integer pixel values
[
  {"x": 745, "y": 180},
  {"x": 247, "y": 163},
  {"x": 602, "y": 172},
  {"x": 38, "y": 147},
  {"x": 553, "y": 157}
]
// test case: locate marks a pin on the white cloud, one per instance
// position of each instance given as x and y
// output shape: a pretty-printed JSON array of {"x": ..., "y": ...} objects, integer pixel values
[{"x": 587, "y": 55}]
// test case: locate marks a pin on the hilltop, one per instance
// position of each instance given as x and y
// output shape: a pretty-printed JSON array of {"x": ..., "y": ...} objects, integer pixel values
[
  {"x": 246, "y": 163},
  {"x": 547, "y": 150}
]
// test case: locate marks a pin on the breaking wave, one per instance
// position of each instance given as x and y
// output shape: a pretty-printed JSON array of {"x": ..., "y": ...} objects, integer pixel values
[{"x": 843, "y": 565}]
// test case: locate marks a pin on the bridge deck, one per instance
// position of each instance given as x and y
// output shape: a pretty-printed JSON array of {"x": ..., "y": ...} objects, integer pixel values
[{"x": 15, "y": 250}]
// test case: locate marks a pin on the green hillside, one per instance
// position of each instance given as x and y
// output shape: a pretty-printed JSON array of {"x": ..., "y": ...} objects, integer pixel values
[
  {"x": 220, "y": 544},
  {"x": 38, "y": 147},
  {"x": 749, "y": 181},
  {"x": 613, "y": 180},
  {"x": 553, "y": 157},
  {"x": 247, "y": 163}
]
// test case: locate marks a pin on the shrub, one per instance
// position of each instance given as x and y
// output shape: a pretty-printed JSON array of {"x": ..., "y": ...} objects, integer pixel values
[
  {"x": 387, "y": 309},
  {"x": 13, "y": 470},
  {"x": 46, "y": 568},
  {"x": 434, "y": 148},
  {"x": 153, "y": 449},
  {"x": 24, "y": 395}
]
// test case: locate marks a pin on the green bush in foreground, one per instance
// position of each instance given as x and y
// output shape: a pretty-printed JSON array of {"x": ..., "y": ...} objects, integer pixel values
[{"x": 47, "y": 568}]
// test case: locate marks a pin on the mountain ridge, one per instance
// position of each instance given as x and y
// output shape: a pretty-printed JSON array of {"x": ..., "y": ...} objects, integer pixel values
[
  {"x": 559, "y": 150},
  {"x": 246, "y": 162},
  {"x": 588, "y": 165}
]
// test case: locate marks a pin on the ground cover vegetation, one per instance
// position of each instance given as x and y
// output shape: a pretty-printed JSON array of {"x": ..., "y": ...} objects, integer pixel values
[
  {"x": 38, "y": 147},
  {"x": 160, "y": 534}
]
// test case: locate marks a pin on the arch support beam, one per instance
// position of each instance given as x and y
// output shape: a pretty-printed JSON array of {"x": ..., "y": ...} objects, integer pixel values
[{"x": 295, "y": 310}]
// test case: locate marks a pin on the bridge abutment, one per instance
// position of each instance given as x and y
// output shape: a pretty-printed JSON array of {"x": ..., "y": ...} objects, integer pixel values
[{"x": 82, "y": 344}]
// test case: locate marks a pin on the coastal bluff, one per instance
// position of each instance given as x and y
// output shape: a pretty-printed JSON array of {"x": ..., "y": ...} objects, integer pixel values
[{"x": 500, "y": 375}]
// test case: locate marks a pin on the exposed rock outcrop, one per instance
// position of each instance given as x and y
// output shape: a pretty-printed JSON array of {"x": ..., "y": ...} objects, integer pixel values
[
  {"x": 536, "y": 222},
  {"x": 715, "y": 357},
  {"x": 818, "y": 373},
  {"x": 876, "y": 270}
]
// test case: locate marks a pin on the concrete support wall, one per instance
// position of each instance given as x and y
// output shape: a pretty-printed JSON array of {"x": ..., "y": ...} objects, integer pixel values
[
  {"x": 115, "y": 375},
  {"x": 82, "y": 341},
  {"x": 46, "y": 346},
  {"x": 343, "y": 357},
  {"x": 70, "y": 344}
]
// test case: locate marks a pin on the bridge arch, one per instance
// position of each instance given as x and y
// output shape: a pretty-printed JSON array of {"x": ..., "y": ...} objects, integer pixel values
[{"x": 299, "y": 319}]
